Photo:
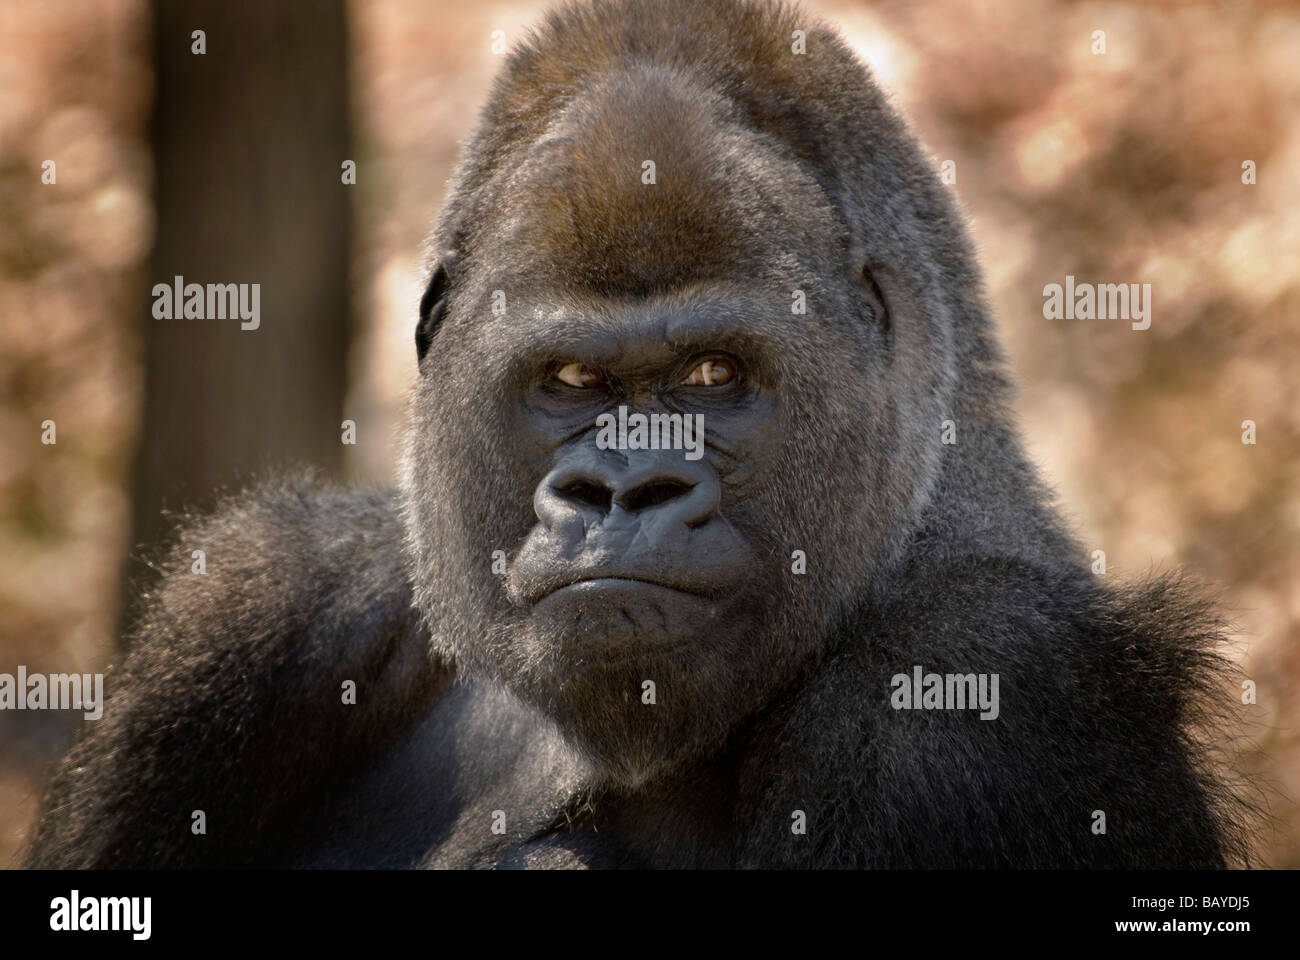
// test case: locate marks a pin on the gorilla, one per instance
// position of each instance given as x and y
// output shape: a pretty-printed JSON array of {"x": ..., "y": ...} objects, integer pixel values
[{"x": 560, "y": 643}]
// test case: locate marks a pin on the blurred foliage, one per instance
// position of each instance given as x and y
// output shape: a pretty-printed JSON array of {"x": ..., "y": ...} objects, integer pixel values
[
  {"x": 1123, "y": 167},
  {"x": 75, "y": 88}
]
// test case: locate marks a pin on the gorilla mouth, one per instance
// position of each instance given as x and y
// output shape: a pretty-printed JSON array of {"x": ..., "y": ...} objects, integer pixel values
[
  {"x": 599, "y": 618},
  {"x": 595, "y": 583}
]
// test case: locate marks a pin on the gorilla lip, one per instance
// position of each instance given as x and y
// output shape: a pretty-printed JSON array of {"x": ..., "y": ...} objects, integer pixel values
[{"x": 598, "y": 580}]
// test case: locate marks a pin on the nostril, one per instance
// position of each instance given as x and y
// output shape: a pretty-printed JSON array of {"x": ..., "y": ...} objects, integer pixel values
[
  {"x": 653, "y": 494},
  {"x": 588, "y": 493}
]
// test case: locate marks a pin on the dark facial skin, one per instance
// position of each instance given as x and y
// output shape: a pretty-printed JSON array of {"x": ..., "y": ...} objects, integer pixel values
[{"x": 644, "y": 525}]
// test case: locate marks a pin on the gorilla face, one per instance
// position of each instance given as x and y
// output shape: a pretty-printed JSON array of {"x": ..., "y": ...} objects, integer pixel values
[
  {"x": 643, "y": 565},
  {"x": 631, "y": 548},
  {"x": 671, "y": 298}
]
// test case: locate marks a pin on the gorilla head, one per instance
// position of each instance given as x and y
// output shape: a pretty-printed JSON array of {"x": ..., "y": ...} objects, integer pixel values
[{"x": 747, "y": 234}]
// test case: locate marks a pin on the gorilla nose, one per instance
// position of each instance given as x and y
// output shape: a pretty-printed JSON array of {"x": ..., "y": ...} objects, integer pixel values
[{"x": 597, "y": 492}]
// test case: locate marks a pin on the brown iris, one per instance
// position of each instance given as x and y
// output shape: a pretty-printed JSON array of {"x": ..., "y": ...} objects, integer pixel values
[
  {"x": 711, "y": 373},
  {"x": 581, "y": 375}
]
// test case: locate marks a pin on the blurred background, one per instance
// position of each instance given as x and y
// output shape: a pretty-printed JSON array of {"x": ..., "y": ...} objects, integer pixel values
[{"x": 1122, "y": 166}]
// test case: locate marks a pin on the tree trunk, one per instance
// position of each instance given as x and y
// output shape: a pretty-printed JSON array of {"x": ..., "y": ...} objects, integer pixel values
[{"x": 248, "y": 143}]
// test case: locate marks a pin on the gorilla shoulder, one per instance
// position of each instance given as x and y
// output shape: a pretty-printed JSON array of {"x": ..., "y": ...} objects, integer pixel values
[
  {"x": 284, "y": 653},
  {"x": 1085, "y": 685}
]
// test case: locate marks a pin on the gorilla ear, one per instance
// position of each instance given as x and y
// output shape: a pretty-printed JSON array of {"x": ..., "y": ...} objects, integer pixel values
[
  {"x": 432, "y": 305},
  {"x": 874, "y": 296}
]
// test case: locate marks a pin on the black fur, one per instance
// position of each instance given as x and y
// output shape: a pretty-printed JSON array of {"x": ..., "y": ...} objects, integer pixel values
[{"x": 481, "y": 693}]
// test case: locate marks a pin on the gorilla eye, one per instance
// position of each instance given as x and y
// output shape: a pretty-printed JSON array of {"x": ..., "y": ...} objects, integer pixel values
[
  {"x": 581, "y": 375},
  {"x": 711, "y": 373}
]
